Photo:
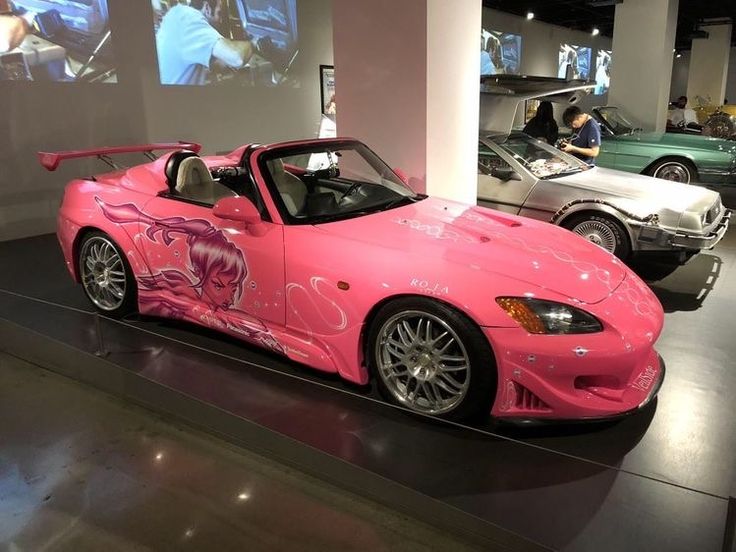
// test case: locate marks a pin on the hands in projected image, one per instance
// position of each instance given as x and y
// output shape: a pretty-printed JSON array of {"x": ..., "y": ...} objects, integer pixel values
[{"x": 13, "y": 30}]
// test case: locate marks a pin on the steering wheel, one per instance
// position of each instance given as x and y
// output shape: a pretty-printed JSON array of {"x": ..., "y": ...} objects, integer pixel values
[{"x": 350, "y": 191}]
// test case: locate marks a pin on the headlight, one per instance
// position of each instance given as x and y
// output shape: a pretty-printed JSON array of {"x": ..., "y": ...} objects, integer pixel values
[{"x": 547, "y": 317}]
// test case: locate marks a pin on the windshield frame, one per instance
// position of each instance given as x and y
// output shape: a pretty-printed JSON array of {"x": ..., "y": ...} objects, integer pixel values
[
  {"x": 513, "y": 158},
  {"x": 322, "y": 146},
  {"x": 599, "y": 112}
]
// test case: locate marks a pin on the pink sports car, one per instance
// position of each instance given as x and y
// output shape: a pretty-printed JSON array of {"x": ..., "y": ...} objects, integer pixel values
[{"x": 320, "y": 252}]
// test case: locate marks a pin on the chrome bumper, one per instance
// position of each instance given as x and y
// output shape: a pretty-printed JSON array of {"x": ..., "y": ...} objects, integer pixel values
[
  {"x": 655, "y": 238},
  {"x": 688, "y": 241}
]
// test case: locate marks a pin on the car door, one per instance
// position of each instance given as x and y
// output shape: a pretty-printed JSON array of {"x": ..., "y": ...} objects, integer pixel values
[
  {"x": 504, "y": 195},
  {"x": 609, "y": 149},
  {"x": 214, "y": 272}
]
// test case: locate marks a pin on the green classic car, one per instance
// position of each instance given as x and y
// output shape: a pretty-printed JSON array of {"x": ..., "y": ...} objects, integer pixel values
[{"x": 678, "y": 157}]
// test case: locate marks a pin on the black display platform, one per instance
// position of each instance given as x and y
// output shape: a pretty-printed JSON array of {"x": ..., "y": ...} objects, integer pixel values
[{"x": 659, "y": 480}]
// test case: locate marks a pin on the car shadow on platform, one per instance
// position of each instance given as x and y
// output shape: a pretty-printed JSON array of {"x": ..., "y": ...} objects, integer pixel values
[{"x": 688, "y": 287}]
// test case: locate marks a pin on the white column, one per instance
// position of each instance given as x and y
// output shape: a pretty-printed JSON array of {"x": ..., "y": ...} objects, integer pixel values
[
  {"x": 407, "y": 77},
  {"x": 643, "y": 40},
  {"x": 709, "y": 65}
]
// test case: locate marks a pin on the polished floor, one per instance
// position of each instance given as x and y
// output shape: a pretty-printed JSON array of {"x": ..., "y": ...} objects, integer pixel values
[
  {"x": 642, "y": 476},
  {"x": 80, "y": 470}
]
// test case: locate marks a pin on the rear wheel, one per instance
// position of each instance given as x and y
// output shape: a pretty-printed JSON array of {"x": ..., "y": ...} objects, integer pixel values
[
  {"x": 431, "y": 359},
  {"x": 602, "y": 231},
  {"x": 106, "y": 275},
  {"x": 675, "y": 170}
]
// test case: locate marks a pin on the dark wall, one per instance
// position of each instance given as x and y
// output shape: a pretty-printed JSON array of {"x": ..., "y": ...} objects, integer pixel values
[{"x": 60, "y": 116}]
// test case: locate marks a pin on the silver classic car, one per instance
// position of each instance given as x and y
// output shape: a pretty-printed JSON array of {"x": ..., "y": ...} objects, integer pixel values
[
  {"x": 632, "y": 216},
  {"x": 629, "y": 215}
]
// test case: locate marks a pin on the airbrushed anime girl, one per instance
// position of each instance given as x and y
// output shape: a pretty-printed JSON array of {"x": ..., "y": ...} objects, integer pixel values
[{"x": 207, "y": 295}]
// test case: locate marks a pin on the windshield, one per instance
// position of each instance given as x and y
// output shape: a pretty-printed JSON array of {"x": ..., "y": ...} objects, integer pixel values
[
  {"x": 616, "y": 121},
  {"x": 539, "y": 158},
  {"x": 330, "y": 181}
]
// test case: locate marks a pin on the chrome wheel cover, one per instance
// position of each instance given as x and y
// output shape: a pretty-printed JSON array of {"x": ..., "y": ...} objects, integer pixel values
[
  {"x": 103, "y": 273},
  {"x": 675, "y": 172},
  {"x": 422, "y": 362},
  {"x": 597, "y": 232}
]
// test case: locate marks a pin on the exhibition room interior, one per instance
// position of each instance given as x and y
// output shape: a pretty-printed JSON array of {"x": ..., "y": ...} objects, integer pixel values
[{"x": 329, "y": 275}]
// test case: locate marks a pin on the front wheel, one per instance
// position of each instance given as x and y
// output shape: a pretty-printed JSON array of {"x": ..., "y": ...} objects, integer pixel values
[
  {"x": 675, "y": 170},
  {"x": 602, "y": 231},
  {"x": 106, "y": 275},
  {"x": 431, "y": 359}
]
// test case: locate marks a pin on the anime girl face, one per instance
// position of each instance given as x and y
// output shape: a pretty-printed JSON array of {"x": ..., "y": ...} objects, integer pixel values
[
  {"x": 220, "y": 269},
  {"x": 219, "y": 289}
]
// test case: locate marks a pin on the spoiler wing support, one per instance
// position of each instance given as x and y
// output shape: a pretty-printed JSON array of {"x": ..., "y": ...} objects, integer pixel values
[{"x": 52, "y": 160}]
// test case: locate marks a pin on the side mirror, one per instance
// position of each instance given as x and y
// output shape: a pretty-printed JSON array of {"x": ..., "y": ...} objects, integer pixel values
[
  {"x": 505, "y": 173},
  {"x": 238, "y": 209}
]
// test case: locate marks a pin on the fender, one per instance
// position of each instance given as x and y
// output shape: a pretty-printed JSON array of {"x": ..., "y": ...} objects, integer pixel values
[{"x": 623, "y": 216}]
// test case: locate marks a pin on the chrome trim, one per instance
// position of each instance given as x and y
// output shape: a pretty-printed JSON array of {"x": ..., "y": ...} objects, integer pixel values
[{"x": 688, "y": 241}]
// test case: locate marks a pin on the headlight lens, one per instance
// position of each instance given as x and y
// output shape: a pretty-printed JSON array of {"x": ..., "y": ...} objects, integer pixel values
[{"x": 547, "y": 317}]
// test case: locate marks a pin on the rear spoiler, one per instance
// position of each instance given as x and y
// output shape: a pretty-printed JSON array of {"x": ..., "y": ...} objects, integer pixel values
[{"x": 51, "y": 161}]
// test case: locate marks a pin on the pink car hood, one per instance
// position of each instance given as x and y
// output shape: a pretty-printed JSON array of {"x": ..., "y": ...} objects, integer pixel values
[{"x": 464, "y": 237}]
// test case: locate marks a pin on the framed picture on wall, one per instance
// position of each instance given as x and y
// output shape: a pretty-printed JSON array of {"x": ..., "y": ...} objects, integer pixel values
[{"x": 327, "y": 90}]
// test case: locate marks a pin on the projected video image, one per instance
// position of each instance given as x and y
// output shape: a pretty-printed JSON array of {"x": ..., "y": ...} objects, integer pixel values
[
  {"x": 500, "y": 53},
  {"x": 56, "y": 40},
  {"x": 602, "y": 72},
  {"x": 575, "y": 57},
  {"x": 246, "y": 42}
]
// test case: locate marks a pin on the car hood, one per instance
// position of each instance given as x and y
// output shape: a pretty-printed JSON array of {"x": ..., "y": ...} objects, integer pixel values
[
  {"x": 641, "y": 195},
  {"x": 688, "y": 141},
  {"x": 462, "y": 237}
]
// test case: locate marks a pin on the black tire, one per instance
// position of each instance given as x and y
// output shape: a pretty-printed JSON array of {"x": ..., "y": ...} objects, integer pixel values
[
  {"x": 111, "y": 291},
  {"x": 675, "y": 170},
  {"x": 440, "y": 387},
  {"x": 603, "y": 231}
]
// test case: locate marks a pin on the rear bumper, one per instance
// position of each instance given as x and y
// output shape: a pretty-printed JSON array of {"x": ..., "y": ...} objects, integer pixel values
[{"x": 717, "y": 177}]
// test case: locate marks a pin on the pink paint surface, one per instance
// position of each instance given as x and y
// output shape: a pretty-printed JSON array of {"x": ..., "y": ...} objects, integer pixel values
[{"x": 276, "y": 285}]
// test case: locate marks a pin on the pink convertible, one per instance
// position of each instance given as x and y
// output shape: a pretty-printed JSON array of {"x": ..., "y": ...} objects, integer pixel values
[{"x": 318, "y": 251}]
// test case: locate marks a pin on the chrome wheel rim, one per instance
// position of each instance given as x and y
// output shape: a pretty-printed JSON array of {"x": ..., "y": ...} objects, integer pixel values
[
  {"x": 422, "y": 362},
  {"x": 674, "y": 172},
  {"x": 103, "y": 273},
  {"x": 597, "y": 232}
]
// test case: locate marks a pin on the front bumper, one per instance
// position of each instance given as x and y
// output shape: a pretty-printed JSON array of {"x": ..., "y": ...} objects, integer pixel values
[
  {"x": 585, "y": 376},
  {"x": 653, "y": 237},
  {"x": 689, "y": 241},
  {"x": 595, "y": 419}
]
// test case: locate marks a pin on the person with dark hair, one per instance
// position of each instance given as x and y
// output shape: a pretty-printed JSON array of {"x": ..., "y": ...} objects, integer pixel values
[
  {"x": 585, "y": 142},
  {"x": 188, "y": 43},
  {"x": 543, "y": 124}
]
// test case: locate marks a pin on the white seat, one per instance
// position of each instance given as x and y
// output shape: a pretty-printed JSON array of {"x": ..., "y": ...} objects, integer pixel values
[
  {"x": 293, "y": 191},
  {"x": 194, "y": 181}
]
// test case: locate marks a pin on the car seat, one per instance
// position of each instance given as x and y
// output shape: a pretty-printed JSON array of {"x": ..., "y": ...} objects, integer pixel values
[
  {"x": 292, "y": 190},
  {"x": 192, "y": 180}
]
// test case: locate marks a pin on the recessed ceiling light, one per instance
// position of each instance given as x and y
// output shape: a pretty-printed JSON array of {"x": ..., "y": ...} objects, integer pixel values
[
  {"x": 530, "y": 15},
  {"x": 596, "y": 31}
]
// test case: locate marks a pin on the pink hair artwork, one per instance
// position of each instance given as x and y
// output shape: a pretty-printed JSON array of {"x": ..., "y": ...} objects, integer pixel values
[{"x": 217, "y": 273}]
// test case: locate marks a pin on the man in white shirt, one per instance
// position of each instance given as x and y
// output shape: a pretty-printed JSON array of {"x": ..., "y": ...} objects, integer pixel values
[
  {"x": 188, "y": 43},
  {"x": 681, "y": 115}
]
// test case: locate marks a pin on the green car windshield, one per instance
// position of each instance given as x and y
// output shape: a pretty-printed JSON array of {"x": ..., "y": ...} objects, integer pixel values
[{"x": 615, "y": 120}]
